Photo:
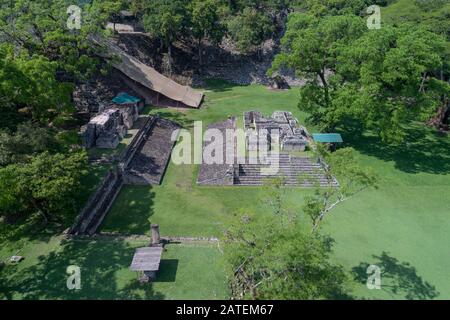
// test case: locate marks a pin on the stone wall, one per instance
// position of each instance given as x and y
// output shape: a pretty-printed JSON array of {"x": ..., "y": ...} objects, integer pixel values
[
  {"x": 146, "y": 142},
  {"x": 93, "y": 213},
  {"x": 136, "y": 143},
  {"x": 95, "y": 210}
]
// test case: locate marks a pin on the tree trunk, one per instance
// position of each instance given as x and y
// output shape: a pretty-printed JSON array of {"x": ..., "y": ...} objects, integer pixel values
[
  {"x": 440, "y": 121},
  {"x": 169, "y": 50},
  {"x": 325, "y": 88},
  {"x": 41, "y": 210},
  {"x": 200, "y": 60}
]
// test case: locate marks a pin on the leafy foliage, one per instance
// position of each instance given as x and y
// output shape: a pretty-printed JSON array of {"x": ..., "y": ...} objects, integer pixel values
[
  {"x": 28, "y": 83},
  {"x": 205, "y": 22},
  {"x": 352, "y": 179},
  {"x": 277, "y": 259},
  {"x": 381, "y": 78},
  {"x": 250, "y": 28},
  {"x": 28, "y": 141},
  {"x": 46, "y": 185}
]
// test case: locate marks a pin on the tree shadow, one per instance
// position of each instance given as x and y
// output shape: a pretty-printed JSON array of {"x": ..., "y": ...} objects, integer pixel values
[
  {"x": 397, "y": 278},
  {"x": 423, "y": 149},
  {"x": 220, "y": 85},
  {"x": 104, "y": 274},
  {"x": 177, "y": 117},
  {"x": 131, "y": 211}
]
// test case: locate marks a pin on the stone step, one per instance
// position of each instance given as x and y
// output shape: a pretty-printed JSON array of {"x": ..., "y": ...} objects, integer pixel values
[
  {"x": 258, "y": 172},
  {"x": 283, "y": 169},
  {"x": 261, "y": 183},
  {"x": 241, "y": 179}
]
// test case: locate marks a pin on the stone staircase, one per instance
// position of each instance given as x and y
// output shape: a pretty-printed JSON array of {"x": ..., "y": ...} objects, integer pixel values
[
  {"x": 143, "y": 162},
  {"x": 150, "y": 161},
  {"x": 297, "y": 171},
  {"x": 98, "y": 204}
]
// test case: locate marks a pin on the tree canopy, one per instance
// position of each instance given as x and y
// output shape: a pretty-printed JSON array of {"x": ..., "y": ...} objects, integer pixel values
[
  {"x": 276, "y": 258},
  {"x": 381, "y": 78},
  {"x": 46, "y": 185}
]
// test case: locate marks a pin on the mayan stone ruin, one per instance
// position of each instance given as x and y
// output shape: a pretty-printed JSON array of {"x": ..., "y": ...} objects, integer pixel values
[{"x": 295, "y": 168}]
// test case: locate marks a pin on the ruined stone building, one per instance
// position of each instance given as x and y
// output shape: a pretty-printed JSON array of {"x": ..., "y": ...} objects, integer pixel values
[{"x": 292, "y": 136}]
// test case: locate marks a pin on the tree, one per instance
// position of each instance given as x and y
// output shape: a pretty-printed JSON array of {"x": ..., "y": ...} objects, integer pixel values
[
  {"x": 434, "y": 16},
  {"x": 205, "y": 22},
  {"x": 390, "y": 77},
  {"x": 138, "y": 7},
  {"x": 321, "y": 8},
  {"x": 352, "y": 179},
  {"x": 380, "y": 78},
  {"x": 164, "y": 20},
  {"x": 250, "y": 28},
  {"x": 311, "y": 47},
  {"x": 39, "y": 27},
  {"x": 271, "y": 258},
  {"x": 28, "y": 141},
  {"x": 46, "y": 186},
  {"x": 29, "y": 83}
]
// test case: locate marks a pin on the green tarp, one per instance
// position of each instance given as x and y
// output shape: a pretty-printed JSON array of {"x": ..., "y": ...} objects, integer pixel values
[
  {"x": 125, "y": 98},
  {"x": 327, "y": 137}
]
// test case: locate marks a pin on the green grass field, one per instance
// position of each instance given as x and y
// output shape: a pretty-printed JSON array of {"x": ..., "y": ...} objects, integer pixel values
[
  {"x": 402, "y": 226},
  {"x": 179, "y": 206},
  {"x": 105, "y": 274}
]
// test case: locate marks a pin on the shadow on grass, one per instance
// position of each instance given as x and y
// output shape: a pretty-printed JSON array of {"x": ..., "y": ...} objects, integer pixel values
[
  {"x": 131, "y": 211},
  {"x": 177, "y": 117},
  {"x": 220, "y": 85},
  {"x": 397, "y": 278},
  {"x": 100, "y": 263},
  {"x": 167, "y": 270},
  {"x": 423, "y": 150}
]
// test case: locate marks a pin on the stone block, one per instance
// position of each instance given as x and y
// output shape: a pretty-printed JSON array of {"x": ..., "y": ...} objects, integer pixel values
[
  {"x": 107, "y": 141},
  {"x": 122, "y": 131},
  {"x": 87, "y": 135}
]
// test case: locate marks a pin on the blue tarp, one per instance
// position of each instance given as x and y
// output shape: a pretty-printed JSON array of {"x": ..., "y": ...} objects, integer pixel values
[
  {"x": 125, "y": 98},
  {"x": 327, "y": 137}
]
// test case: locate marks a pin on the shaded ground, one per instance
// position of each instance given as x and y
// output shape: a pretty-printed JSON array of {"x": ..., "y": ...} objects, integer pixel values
[
  {"x": 398, "y": 278},
  {"x": 424, "y": 150},
  {"x": 105, "y": 272},
  {"x": 403, "y": 226}
]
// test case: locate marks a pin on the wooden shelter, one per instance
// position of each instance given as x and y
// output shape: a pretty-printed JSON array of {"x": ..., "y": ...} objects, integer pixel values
[
  {"x": 154, "y": 87},
  {"x": 147, "y": 260}
]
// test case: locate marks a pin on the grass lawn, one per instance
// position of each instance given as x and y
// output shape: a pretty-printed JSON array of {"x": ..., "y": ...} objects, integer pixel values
[
  {"x": 403, "y": 226},
  {"x": 179, "y": 206},
  {"x": 187, "y": 272}
]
